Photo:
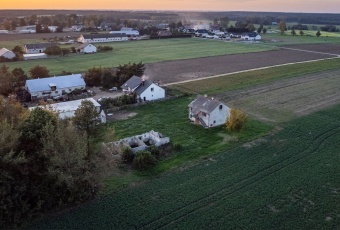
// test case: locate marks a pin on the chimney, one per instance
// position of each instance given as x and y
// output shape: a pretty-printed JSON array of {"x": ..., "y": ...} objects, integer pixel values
[{"x": 143, "y": 81}]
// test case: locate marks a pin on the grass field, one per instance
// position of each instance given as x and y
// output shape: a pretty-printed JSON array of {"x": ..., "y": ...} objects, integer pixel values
[
  {"x": 257, "y": 77},
  {"x": 289, "y": 180},
  {"x": 147, "y": 51}
]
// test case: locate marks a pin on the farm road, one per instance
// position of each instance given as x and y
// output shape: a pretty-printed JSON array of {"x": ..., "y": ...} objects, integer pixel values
[{"x": 171, "y": 72}]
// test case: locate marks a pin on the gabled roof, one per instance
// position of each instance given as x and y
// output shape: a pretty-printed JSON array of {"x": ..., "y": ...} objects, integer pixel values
[
  {"x": 82, "y": 46},
  {"x": 4, "y": 50},
  {"x": 204, "y": 104},
  {"x": 39, "y": 45},
  {"x": 136, "y": 82},
  {"x": 252, "y": 35},
  {"x": 42, "y": 84},
  {"x": 93, "y": 36},
  {"x": 132, "y": 83}
]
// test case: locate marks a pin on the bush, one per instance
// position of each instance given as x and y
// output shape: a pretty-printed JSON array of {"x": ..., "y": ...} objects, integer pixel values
[
  {"x": 154, "y": 151},
  {"x": 177, "y": 146},
  {"x": 127, "y": 155},
  {"x": 104, "y": 48},
  {"x": 143, "y": 160},
  {"x": 236, "y": 120}
]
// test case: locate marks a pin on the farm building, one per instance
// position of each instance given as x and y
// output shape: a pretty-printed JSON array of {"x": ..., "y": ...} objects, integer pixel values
[
  {"x": 53, "y": 87},
  {"x": 86, "y": 48},
  {"x": 4, "y": 32},
  {"x": 92, "y": 38},
  {"x": 37, "y": 48},
  {"x": 127, "y": 31},
  {"x": 208, "y": 112},
  {"x": 5, "y": 53},
  {"x": 145, "y": 89},
  {"x": 34, "y": 56},
  {"x": 30, "y": 29},
  {"x": 68, "y": 109},
  {"x": 251, "y": 36}
]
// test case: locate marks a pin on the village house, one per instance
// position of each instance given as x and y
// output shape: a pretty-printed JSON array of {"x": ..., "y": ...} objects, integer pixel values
[
  {"x": 208, "y": 112},
  {"x": 127, "y": 31},
  {"x": 29, "y": 29},
  {"x": 86, "y": 48},
  {"x": 93, "y": 38},
  {"x": 67, "y": 109},
  {"x": 5, "y": 53},
  {"x": 37, "y": 48},
  {"x": 251, "y": 36},
  {"x": 54, "y": 87},
  {"x": 145, "y": 89}
]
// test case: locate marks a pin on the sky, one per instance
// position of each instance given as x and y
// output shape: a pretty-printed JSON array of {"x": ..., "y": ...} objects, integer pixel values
[{"x": 314, "y": 6}]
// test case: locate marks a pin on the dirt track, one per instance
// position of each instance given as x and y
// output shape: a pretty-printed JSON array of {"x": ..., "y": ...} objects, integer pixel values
[{"x": 174, "y": 71}]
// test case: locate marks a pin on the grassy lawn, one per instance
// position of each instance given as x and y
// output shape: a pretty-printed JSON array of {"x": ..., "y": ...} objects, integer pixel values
[
  {"x": 171, "y": 119},
  {"x": 289, "y": 180},
  {"x": 148, "y": 51},
  {"x": 242, "y": 80}
]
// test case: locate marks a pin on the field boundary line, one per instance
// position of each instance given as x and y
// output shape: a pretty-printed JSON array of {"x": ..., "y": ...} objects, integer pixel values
[
  {"x": 309, "y": 51},
  {"x": 248, "y": 70}
]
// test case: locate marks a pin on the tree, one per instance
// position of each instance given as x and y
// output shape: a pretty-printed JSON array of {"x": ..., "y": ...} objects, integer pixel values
[
  {"x": 143, "y": 160},
  {"x": 86, "y": 118},
  {"x": 108, "y": 78},
  {"x": 93, "y": 76},
  {"x": 250, "y": 27},
  {"x": 53, "y": 50},
  {"x": 236, "y": 120},
  {"x": 282, "y": 27},
  {"x": 65, "y": 51},
  {"x": 18, "y": 52},
  {"x": 19, "y": 79},
  {"x": 264, "y": 30},
  {"x": 293, "y": 32},
  {"x": 124, "y": 72},
  {"x": 224, "y": 22},
  {"x": 318, "y": 34},
  {"x": 38, "y": 72},
  {"x": 38, "y": 28},
  {"x": 22, "y": 22},
  {"x": 301, "y": 33},
  {"x": 5, "y": 81}
]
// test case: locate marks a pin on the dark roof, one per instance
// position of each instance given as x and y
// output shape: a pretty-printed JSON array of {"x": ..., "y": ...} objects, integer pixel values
[
  {"x": 93, "y": 36},
  {"x": 204, "y": 104},
  {"x": 83, "y": 45},
  {"x": 134, "y": 82},
  {"x": 252, "y": 35},
  {"x": 39, "y": 45}
]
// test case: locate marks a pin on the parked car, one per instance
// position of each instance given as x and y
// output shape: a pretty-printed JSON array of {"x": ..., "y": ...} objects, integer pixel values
[
  {"x": 113, "y": 89},
  {"x": 102, "y": 98}
]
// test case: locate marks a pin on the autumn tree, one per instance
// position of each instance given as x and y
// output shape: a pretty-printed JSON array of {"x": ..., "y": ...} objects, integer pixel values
[
  {"x": 250, "y": 27},
  {"x": 19, "y": 79},
  {"x": 5, "y": 81},
  {"x": 264, "y": 30},
  {"x": 293, "y": 32},
  {"x": 93, "y": 76},
  {"x": 282, "y": 27},
  {"x": 53, "y": 51},
  {"x": 39, "y": 72},
  {"x": 236, "y": 120}
]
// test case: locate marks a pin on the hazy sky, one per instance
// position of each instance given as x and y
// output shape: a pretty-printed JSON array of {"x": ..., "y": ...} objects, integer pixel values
[{"x": 323, "y": 6}]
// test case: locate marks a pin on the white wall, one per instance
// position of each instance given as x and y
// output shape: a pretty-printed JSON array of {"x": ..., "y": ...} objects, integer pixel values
[
  {"x": 57, "y": 92},
  {"x": 89, "y": 49},
  {"x": 219, "y": 115},
  {"x": 150, "y": 95},
  {"x": 9, "y": 55}
]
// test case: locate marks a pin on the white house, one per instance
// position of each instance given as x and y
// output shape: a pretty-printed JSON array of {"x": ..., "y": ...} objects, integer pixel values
[
  {"x": 52, "y": 87},
  {"x": 208, "y": 112},
  {"x": 6, "y": 53},
  {"x": 251, "y": 36},
  {"x": 145, "y": 89},
  {"x": 86, "y": 48},
  {"x": 30, "y": 29},
  {"x": 68, "y": 109},
  {"x": 4, "y": 32},
  {"x": 93, "y": 38},
  {"x": 37, "y": 48}
]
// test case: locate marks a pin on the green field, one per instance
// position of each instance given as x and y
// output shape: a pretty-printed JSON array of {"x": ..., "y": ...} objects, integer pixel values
[
  {"x": 289, "y": 180},
  {"x": 147, "y": 51}
]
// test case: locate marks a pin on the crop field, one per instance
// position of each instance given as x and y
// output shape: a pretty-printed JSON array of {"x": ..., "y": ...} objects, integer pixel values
[
  {"x": 288, "y": 180},
  {"x": 147, "y": 51},
  {"x": 281, "y": 100}
]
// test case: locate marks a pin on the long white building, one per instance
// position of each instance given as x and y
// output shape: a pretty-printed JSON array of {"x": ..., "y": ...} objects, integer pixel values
[{"x": 95, "y": 38}]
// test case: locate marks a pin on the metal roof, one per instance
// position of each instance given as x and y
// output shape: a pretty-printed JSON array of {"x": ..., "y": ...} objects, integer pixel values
[
  {"x": 4, "y": 50},
  {"x": 39, "y": 45},
  {"x": 134, "y": 82},
  {"x": 204, "y": 104},
  {"x": 42, "y": 84},
  {"x": 94, "y": 36}
]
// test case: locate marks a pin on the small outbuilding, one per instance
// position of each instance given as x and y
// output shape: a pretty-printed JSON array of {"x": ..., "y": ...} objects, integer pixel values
[
  {"x": 208, "y": 112},
  {"x": 34, "y": 56},
  {"x": 251, "y": 36},
  {"x": 87, "y": 48},
  {"x": 146, "y": 90},
  {"x": 5, "y": 53}
]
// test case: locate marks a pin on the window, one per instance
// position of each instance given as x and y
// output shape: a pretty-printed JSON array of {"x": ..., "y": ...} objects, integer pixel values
[
  {"x": 151, "y": 89},
  {"x": 221, "y": 106},
  {"x": 204, "y": 114},
  {"x": 214, "y": 122}
]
